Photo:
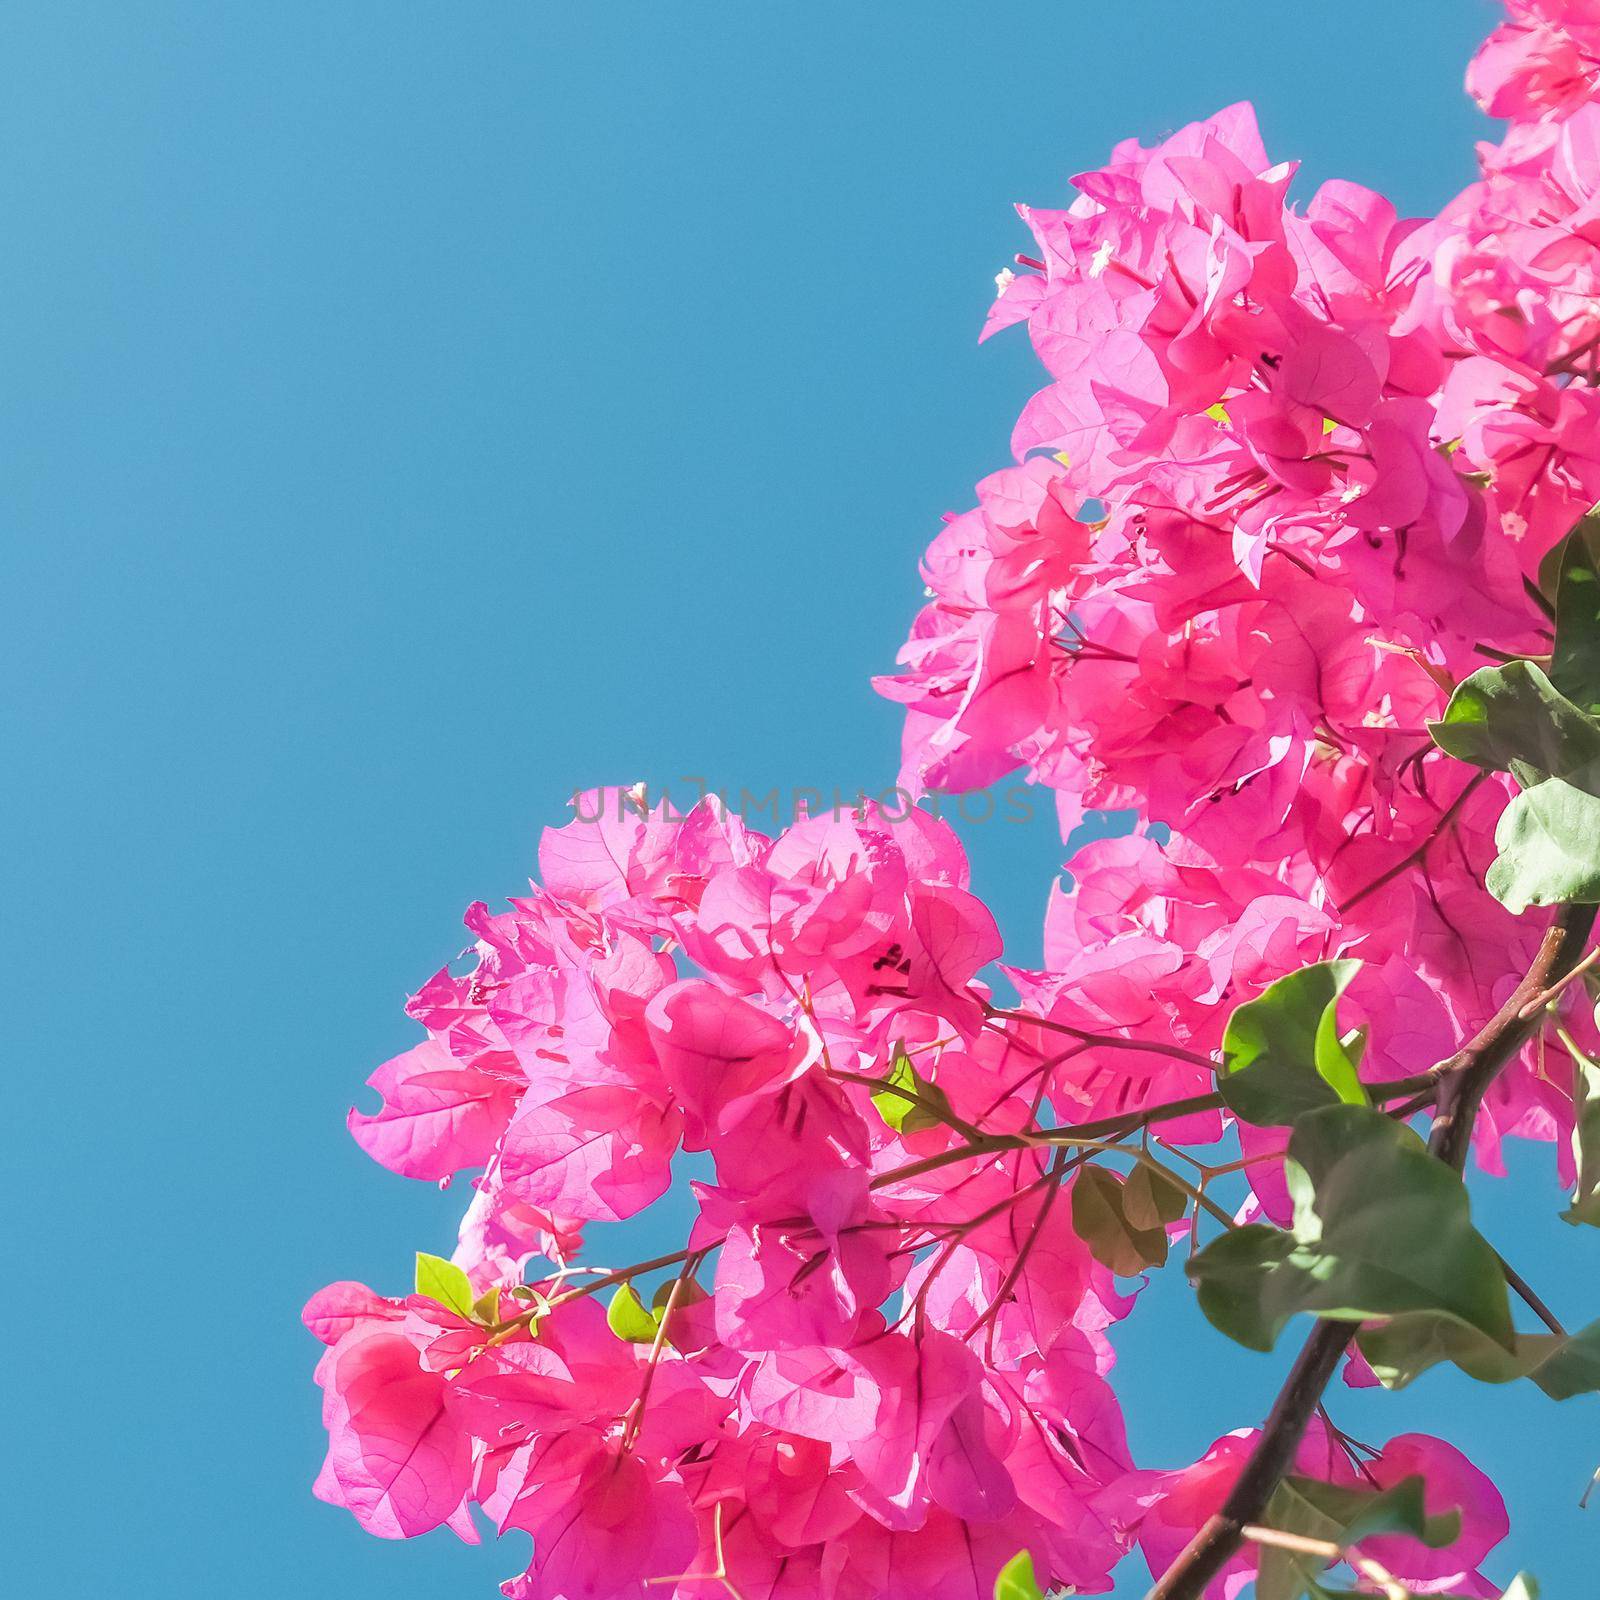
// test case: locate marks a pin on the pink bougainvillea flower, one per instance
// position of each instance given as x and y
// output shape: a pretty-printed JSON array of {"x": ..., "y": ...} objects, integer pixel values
[{"x": 1294, "y": 472}]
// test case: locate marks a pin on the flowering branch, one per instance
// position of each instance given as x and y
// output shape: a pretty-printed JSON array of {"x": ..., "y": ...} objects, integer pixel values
[
  {"x": 1296, "y": 474},
  {"x": 1470, "y": 1072}
]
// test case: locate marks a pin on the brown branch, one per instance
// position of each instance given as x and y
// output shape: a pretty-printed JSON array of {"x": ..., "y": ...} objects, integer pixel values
[
  {"x": 1463, "y": 1081},
  {"x": 1424, "y": 1086},
  {"x": 1555, "y": 991}
]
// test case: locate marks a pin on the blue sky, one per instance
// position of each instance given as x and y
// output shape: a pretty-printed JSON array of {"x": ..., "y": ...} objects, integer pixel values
[{"x": 411, "y": 413}]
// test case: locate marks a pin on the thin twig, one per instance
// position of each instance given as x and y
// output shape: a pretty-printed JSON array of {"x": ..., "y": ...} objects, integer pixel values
[
  {"x": 1421, "y": 851},
  {"x": 1325, "y": 1550},
  {"x": 1105, "y": 1041},
  {"x": 1540, "y": 1001},
  {"x": 1524, "y": 1291}
]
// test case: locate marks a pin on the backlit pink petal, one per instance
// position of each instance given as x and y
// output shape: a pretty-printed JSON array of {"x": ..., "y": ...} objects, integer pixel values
[
  {"x": 590, "y": 1154},
  {"x": 332, "y": 1312},
  {"x": 398, "y": 1459},
  {"x": 1451, "y": 1483},
  {"x": 438, "y": 1116}
]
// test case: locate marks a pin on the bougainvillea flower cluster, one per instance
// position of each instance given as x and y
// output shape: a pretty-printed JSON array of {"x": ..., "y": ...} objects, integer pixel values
[
  {"x": 1296, "y": 475},
  {"x": 885, "y": 1367}
]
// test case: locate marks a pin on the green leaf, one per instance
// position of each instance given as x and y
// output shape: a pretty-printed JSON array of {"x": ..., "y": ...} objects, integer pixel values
[
  {"x": 1017, "y": 1580},
  {"x": 1544, "y": 731},
  {"x": 1401, "y": 1349},
  {"x": 486, "y": 1308},
  {"x": 444, "y": 1282},
  {"x": 901, "y": 1114},
  {"x": 1513, "y": 719},
  {"x": 1562, "y": 1365},
  {"x": 1342, "y": 1516},
  {"x": 1549, "y": 844},
  {"x": 1360, "y": 1513},
  {"x": 1522, "y": 1587},
  {"x": 1290, "y": 1574},
  {"x": 627, "y": 1317},
  {"x": 1585, "y": 1207},
  {"x": 1150, "y": 1199},
  {"x": 1282, "y": 1053},
  {"x": 893, "y": 1107},
  {"x": 1380, "y": 1229},
  {"x": 1100, "y": 1218},
  {"x": 1575, "y": 663},
  {"x": 689, "y": 1293}
]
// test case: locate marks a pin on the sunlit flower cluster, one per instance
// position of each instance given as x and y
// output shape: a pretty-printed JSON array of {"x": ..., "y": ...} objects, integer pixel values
[{"x": 1295, "y": 475}]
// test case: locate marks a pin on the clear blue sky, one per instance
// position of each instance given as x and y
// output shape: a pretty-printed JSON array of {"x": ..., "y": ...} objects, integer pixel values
[{"x": 410, "y": 413}]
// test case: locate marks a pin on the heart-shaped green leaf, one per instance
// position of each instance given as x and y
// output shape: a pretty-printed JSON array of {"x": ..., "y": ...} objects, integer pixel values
[
  {"x": 905, "y": 1115},
  {"x": 628, "y": 1317},
  {"x": 678, "y": 1293},
  {"x": 1380, "y": 1229},
  {"x": 1150, "y": 1199},
  {"x": 1512, "y": 718},
  {"x": 1548, "y": 840},
  {"x": 445, "y": 1282},
  {"x": 1282, "y": 1053}
]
